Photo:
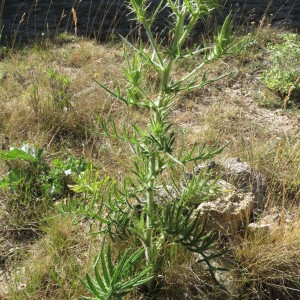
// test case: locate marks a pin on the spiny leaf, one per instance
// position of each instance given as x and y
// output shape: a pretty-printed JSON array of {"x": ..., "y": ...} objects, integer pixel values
[
  {"x": 92, "y": 286},
  {"x": 120, "y": 278}
]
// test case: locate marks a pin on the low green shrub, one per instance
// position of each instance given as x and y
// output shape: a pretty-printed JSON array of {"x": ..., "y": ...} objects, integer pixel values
[
  {"x": 49, "y": 92},
  {"x": 32, "y": 182},
  {"x": 60, "y": 89},
  {"x": 283, "y": 73}
]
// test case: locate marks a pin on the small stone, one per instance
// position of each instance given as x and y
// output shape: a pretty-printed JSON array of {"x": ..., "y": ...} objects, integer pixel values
[{"x": 263, "y": 228}]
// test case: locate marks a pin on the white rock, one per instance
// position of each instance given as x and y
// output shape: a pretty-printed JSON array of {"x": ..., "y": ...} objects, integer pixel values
[{"x": 228, "y": 213}]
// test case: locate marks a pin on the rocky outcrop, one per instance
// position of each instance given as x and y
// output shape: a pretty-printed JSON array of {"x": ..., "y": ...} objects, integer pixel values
[
  {"x": 228, "y": 213},
  {"x": 239, "y": 203},
  {"x": 242, "y": 190},
  {"x": 244, "y": 177}
]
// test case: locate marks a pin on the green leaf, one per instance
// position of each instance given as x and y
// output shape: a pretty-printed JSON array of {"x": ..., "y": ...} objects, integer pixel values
[
  {"x": 92, "y": 287},
  {"x": 120, "y": 278},
  {"x": 15, "y": 154},
  {"x": 4, "y": 182},
  {"x": 100, "y": 282}
]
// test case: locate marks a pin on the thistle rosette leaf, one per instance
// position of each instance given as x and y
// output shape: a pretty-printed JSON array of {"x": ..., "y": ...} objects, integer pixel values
[{"x": 117, "y": 280}]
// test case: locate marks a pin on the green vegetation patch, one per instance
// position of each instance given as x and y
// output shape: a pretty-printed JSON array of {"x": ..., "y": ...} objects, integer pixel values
[{"x": 283, "y": 74}]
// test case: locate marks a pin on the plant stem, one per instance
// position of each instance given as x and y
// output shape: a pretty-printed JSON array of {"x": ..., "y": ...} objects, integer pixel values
[
  {"x": 150, "y": 249},
  {"x": 154, "y": 45}
]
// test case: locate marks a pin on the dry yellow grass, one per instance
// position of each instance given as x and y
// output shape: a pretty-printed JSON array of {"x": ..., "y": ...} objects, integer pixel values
[
  {"x": 54, "y": 263},
  {"x": 269, "y": 265}
]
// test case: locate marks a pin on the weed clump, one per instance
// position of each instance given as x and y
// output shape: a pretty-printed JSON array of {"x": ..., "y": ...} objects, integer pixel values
[
  {"x": 282, "y": 75},
  {"x": 154, "y": 223},
  {"x": 35, "y": 185}
]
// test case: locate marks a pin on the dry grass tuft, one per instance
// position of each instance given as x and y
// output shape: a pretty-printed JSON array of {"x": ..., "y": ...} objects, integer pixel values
[
  {"x": 183, "y": 278},
  {"x": 268, "y": 265},
  {"x": 51, "y": 267}
]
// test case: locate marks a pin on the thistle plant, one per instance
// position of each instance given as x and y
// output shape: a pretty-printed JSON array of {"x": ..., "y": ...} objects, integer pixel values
[{"x": 135, "y": 209}]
